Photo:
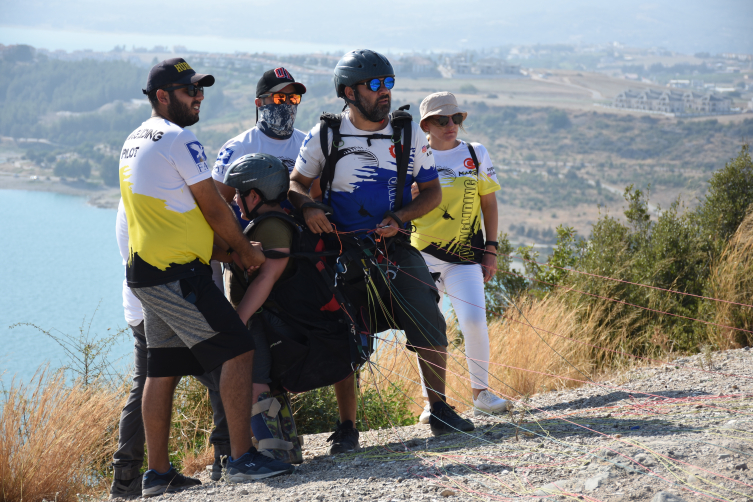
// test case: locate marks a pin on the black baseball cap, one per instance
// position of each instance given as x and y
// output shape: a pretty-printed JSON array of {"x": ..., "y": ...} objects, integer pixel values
[
  {"x": 175, "y": 71},
  {"x": 274, "y": 80}
]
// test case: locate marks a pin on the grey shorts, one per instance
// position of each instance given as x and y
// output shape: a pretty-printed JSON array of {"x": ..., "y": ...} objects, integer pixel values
[{"x": 190, "y": 327}]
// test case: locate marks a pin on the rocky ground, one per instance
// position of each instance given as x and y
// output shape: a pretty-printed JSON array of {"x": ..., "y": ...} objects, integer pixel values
[{"x": 681, "y": 431}]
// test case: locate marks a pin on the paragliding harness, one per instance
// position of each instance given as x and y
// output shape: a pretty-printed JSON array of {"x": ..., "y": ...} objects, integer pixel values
[
  {"x": 322, "y": 343},
  {"x": 327, "y": 342}
]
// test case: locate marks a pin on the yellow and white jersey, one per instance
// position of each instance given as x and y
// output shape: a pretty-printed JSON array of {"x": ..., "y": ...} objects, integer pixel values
[
  {"x": 452, "y": 230},
  {"x": 168, "y": 237}
]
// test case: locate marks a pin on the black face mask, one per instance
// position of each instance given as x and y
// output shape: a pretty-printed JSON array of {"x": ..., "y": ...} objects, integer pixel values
[
  {"x": 276, "y": 121},
  {"x": 377, "y": 112},
  {"x": 181, "y": 113}
]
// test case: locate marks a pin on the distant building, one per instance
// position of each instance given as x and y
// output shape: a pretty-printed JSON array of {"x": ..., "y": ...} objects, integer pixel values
[
  {"x": 463, "y": 65},
  {"x": 679, "y": 84},
  {"x": 671, "y": 101},
  {"x": 415, "y": 66}
]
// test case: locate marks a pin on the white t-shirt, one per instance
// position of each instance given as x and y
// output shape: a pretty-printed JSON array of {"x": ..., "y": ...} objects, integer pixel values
[
  {"x": 131, "y": 305},
  {"x": 452, "y": 231},
  {"x": 168, "y": 237},
  {"x": 364, "y": 185},
  {"x": 255, "y": 141}
]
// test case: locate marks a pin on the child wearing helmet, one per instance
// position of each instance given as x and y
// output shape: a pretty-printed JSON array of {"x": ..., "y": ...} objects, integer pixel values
[{"x": 261, "y": 183}]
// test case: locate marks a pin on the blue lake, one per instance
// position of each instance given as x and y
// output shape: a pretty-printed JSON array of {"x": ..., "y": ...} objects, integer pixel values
[{"x": 61, "y": 266}]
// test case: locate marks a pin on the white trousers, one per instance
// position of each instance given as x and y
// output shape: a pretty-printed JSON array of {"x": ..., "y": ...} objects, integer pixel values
[{"x": 464, "y": 283}]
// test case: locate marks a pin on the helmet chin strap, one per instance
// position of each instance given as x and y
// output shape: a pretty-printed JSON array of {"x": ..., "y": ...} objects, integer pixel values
[{"x": 251, "y": 214}]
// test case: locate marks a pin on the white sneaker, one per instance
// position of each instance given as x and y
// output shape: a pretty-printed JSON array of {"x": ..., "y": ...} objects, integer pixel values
[
  {"x": 487, "y": 404},
  {"x": 424, "y": 418}
]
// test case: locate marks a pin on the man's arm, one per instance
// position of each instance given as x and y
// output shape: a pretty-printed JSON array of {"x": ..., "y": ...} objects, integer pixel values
[
  {"x": 298, "y": 195},
  {"x": 429, "y": 196},
  {"x": 259, "y": 289},
  {"x": 222, "y": 220},
  {"x": 227, "y": 192}
]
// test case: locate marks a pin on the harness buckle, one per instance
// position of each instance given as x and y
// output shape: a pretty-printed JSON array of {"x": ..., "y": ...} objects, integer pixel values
[{"x": 393, "y": 271}]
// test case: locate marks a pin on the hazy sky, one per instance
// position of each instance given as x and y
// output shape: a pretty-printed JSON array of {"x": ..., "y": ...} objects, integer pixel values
[{"x": 297, "y": 25}]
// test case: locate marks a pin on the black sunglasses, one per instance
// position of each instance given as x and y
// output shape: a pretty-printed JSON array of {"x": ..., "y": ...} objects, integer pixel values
[
  {"x": 192, "y": 89},
  {"x": 443, "y": 120}
]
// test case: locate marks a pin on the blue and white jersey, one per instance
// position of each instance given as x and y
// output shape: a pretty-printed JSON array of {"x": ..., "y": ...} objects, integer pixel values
[
  {"x": 364, "y": 185},
  {"x": 255, "y": 141}
]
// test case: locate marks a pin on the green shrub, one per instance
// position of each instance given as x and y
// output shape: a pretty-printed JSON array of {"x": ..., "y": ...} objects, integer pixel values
[
  {"x": 316, "y": 411},
  {"x": 506, "y": 283}
]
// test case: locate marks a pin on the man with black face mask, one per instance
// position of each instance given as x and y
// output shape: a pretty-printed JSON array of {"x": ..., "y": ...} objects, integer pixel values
[{"x": 277, "y": 99}]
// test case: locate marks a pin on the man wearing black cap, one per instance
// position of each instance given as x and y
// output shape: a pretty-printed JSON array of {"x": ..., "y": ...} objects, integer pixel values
[
  {"x": 277, "y": 99},
  {"x": 177, "y": 222}
]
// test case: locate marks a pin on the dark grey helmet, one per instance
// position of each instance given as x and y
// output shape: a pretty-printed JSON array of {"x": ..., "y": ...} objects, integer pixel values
[
  {"x": 261, "y": 172},
  {"x": 359, "y": 65}
]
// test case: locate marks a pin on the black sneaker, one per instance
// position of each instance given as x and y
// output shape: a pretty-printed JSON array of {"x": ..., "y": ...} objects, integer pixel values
[
  {"x": 444, "y": 420},
  {"x": 125, "y": 488},
  {"x": 344, "y": 439},
  {"x": 252, "y": 465},
  {"x": 217, "y": 466},
  {"x": 155, "y": 483}
]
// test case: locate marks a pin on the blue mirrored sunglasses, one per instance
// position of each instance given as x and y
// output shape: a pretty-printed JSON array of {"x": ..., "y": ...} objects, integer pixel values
[{"x": 375, "y": 83}]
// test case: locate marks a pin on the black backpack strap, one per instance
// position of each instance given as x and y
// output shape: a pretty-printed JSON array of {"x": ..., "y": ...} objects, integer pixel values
[
  {"x": 329, "y": 121},
  {"x": 402, "y": 122},
  {"x": 473, "y": 157},
  {"x": 272, "y": 214}
]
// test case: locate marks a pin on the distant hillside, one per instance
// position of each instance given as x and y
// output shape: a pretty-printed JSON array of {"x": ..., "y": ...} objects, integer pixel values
[{"x": 555, "y": 165}]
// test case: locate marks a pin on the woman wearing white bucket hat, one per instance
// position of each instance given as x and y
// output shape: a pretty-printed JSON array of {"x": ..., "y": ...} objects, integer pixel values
[{"x": 451, "y": 240}]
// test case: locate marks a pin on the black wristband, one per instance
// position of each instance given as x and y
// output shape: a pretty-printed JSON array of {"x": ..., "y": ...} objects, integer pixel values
[
  {"x": 492, "y": 243},
  {"x": 229, "y": 251},
  {"x": 490, "y": 252},
  {"x": 396, "y": 218}
]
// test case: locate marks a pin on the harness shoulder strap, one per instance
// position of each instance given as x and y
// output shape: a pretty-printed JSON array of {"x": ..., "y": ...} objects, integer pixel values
[
  {"x": 402, "y": 122},
  {"x": 329, "y": 121},
  {"x": 271, "y": 214},
  {"x": 473, "y": 157}
]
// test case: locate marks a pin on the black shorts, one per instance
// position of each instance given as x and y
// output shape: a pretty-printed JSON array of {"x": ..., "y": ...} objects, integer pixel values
[{"x": 410, "y": 298}]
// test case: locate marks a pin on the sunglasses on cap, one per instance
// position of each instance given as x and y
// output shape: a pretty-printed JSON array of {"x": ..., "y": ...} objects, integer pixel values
[
  {"x": 280, "y": 98},
  {"x": 443, "y": 120},
  {"x": 375, "y": 83},
  {"x": 192, "y": 89}
]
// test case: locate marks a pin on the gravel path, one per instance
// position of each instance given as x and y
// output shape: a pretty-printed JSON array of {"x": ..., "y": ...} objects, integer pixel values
[{"x": 681, "y": 431}]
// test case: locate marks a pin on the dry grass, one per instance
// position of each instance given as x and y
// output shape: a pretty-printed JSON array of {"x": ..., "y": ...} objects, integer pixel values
[
  {"x": 524, "y": 360},
  {"x": 195, "y": 460},
  {"x": 54, "y": 438},
  {"x": 731, "y": 279}
]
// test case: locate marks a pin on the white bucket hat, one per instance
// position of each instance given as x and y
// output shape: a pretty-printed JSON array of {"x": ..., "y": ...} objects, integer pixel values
[{"x": 440, "y": 103}]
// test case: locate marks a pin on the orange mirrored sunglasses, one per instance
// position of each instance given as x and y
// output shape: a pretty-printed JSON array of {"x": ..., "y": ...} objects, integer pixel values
[{"x": 280, "y": 98}]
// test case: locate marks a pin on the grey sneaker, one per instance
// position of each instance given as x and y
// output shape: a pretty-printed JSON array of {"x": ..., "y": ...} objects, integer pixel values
[
  {"x": 155, "y": 483},
  {"x": 252, "y": 465},
  {"x": 125, "y": 488}
]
